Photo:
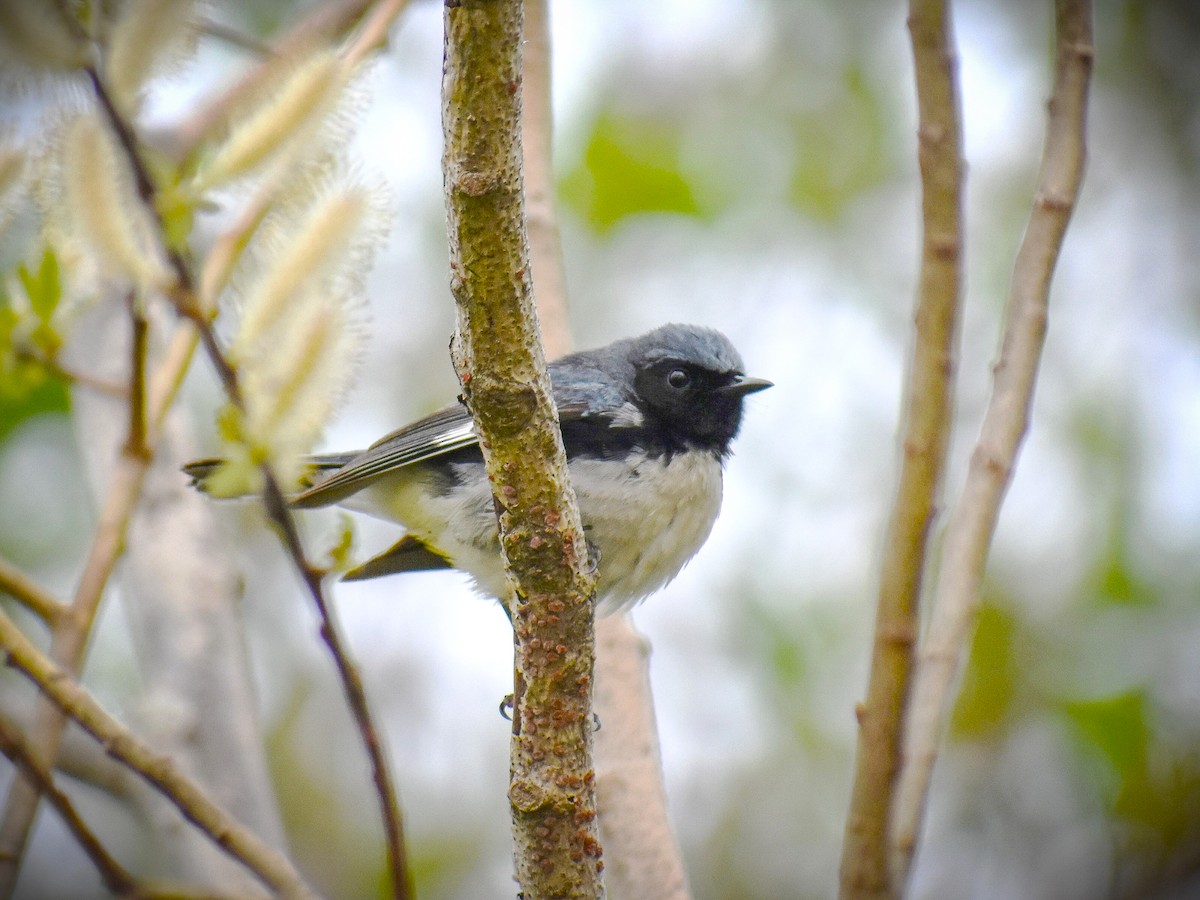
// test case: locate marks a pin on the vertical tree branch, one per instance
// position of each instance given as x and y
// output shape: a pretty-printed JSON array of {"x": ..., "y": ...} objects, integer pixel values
[
  {"x": 926, "y": 427},
  {"x": 500, "y": 363},
  {"x": 973, "y": 521},
  {"x": 641, "y": 854},
  {"x": 643, "y": 860},
  {"x": 537, "y": 148}
]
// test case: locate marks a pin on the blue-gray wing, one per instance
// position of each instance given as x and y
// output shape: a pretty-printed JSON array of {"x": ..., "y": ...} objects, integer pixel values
[
  {"x": 582, "y": 393},
  {"x": 442, "y": 432}
]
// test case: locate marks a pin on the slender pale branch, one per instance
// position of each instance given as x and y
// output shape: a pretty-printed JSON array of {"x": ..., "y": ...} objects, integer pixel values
[
  {"x": 501, "y": 366},
  {"x": 973, "y": 521},
  {"x": 115, "y": 876},
  {"x": 71, "y": 699},
  {"x": 928, "y": 410},
  {"x": 537, "y": 151}
]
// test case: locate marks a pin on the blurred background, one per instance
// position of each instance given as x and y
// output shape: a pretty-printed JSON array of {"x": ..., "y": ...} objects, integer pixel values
[{"x": 751, "y": 166}]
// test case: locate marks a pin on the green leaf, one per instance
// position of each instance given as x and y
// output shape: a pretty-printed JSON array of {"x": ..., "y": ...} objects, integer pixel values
[
  {"x": 630, "y": 166},
  {"x": 26, "y": 387},
  {"x": 990, "y": 682},
  {"x": 43, "y": 287},
  {"x": 1117, "y": 728},
  {"x": 339, "y": 554},
  {"x": 841, "y": 148}
]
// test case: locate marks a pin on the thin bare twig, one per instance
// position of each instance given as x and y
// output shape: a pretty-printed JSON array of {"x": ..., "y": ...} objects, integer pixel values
[
  {"x": 235, "y": 38},
  {"x": 71, "y": 699},
  {"x": 926, "y": 423},
  {"x": 30, "y": 594},
  {"x": 192, "y": 307},
  {"x": 973, "y": 521},
  {"x": 119, "y": 880},
  {"x": 74, "y": 623},
  {"x": 115, "y": 876},
  {"x": 140, "y": 328}
]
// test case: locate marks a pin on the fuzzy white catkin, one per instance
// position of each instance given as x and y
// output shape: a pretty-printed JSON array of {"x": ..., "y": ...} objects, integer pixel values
[
  {"x": 315, "y": 248},
  {"x": 292, "y": 392},
  {"x": 288, "y": 116},
  {"x": 102, "y": 207},
  {"x": 147, "y": 33}
]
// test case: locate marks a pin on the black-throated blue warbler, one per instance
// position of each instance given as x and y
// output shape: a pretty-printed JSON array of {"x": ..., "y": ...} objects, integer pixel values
[{"x": 647, "y": 424}]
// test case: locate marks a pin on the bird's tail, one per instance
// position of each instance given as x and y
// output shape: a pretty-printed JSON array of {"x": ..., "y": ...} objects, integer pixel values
[{"x": 316, "y": 468}]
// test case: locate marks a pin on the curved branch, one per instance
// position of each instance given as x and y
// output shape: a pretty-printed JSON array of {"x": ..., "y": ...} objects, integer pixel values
[
  {"x": 71, "y": 699},
  {"x": 973, "y": 521},
  {"x": 72, "y": 629}
]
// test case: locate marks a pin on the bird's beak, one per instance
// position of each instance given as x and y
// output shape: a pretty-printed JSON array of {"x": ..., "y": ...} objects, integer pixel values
[{"x": 744, "y": 384}]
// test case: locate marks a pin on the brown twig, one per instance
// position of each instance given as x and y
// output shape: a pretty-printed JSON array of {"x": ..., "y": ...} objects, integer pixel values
[
  {"x": 140, "y": 329},
  {"x": 73, "y": 625},
  {"x": 71, "y": 699},
  {"x": 235, "y": 38},
  {"x": 926, "y": 427},
  {"x": 973, "y": 522},
  {"x": 500, "y": 362},
  {"x": 115, "y": 877},
  {"x": 30, "y": 594},
  {"x": 189, "y": 305}
]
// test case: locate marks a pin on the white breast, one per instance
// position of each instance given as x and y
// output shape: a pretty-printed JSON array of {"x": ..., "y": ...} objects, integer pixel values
[
  {"x": 646, "y": 517},
  {"x": 648, "y": 521}
]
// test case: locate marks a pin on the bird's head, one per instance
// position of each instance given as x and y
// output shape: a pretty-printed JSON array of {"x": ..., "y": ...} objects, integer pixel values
[{"x": 691, "y": 381}]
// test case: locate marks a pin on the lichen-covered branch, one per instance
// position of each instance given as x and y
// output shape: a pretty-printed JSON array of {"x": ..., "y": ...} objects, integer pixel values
[
  {"x": 501, "y": 366},
  {"x": 973, "y": 520},
  {"x": 925, "y": 426}
]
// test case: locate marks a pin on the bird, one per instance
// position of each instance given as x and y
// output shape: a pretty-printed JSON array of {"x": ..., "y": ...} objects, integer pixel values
[{"x": 647, "y": 425}]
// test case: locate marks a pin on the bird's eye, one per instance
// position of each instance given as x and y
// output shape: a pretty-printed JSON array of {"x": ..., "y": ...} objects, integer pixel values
[{"x": 679, "y": 379}]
